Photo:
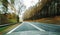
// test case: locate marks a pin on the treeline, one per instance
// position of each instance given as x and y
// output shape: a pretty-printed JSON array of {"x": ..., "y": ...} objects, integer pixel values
[
  {"x": 8, "y": 18},
  {"x": 51, "y": 9}
]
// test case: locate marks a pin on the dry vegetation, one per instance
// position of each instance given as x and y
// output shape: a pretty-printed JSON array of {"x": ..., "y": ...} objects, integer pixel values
[{"x": 54, "y": 20}]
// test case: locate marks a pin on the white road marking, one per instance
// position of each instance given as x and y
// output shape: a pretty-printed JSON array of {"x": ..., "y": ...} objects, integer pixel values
[
  {"x": 14, "y": 29},
  {"x": 36, "y": 27},
  {"x": 27, "y": 23}
]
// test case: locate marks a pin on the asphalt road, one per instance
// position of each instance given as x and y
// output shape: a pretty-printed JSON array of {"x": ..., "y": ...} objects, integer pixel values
[{"x": 35, "y": 28}]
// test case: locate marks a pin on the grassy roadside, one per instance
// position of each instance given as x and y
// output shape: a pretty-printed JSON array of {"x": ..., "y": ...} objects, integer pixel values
[
  {"x": 10, "y": 28},
  {"x": 7, "y": 28},
  {"x": 3, "y": 28}
]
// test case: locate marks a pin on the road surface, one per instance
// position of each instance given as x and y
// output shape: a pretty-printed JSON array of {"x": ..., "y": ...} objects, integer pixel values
[{"x": 35, "y": 28}]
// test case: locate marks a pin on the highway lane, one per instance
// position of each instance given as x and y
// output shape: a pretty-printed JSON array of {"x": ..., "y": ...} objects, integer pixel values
[
  {"x": 36, "y": 28},
  {"x": 48, "y": 27}
]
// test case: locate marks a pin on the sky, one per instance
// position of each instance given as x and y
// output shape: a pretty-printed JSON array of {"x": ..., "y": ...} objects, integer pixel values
[{"x": 25, "y": 5}]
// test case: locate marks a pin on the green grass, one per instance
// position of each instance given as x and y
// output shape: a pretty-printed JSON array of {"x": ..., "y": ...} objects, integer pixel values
[
  {"x": 12, "y": 20},
  {"x": 3, "y": 28}
]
